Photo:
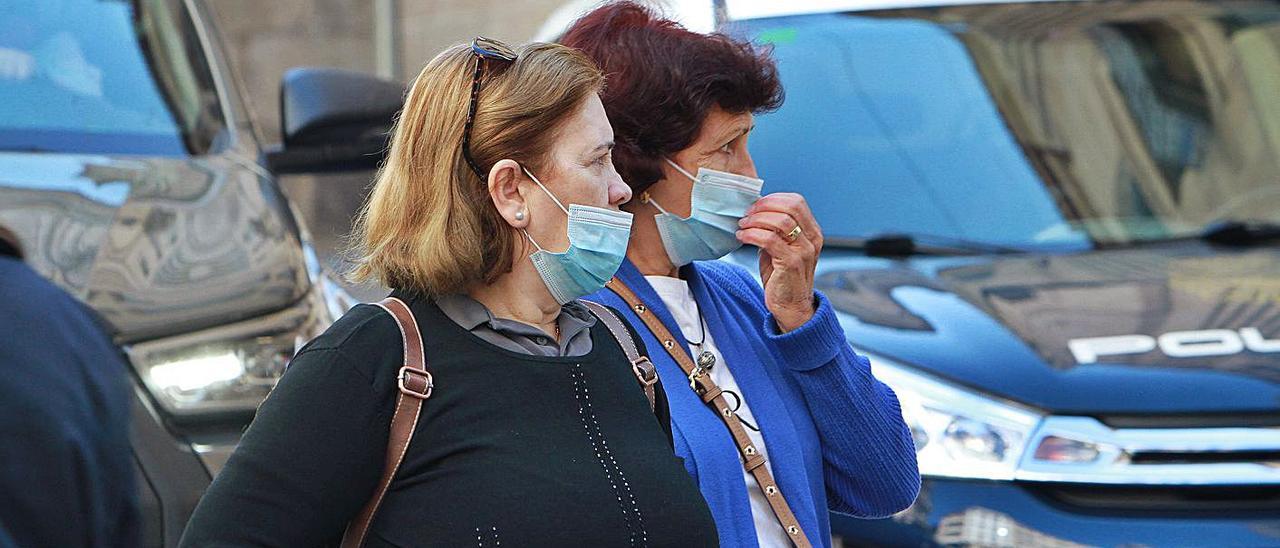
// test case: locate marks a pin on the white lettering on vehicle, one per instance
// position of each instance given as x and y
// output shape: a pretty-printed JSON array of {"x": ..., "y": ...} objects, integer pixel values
[{"x": 1177, "y": 344}]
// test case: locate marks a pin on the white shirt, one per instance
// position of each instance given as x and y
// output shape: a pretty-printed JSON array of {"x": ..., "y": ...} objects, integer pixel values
[{"x": 675, "y": 293}]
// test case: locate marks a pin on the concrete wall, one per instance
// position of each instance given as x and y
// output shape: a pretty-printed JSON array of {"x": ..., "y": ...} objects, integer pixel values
[{"x": 265, "y": 38}]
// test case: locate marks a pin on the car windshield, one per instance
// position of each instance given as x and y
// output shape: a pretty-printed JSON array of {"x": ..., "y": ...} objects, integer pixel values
[
  {"x": 103, "y": 76},
  {"x": 1049, "y": 125}
]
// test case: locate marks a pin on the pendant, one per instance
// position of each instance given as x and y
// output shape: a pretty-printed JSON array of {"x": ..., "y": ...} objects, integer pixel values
[{"x": 706, "y": 360}]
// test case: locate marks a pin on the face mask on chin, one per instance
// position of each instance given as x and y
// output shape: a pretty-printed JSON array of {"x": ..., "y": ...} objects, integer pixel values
[{"x": 597, "y": 245}]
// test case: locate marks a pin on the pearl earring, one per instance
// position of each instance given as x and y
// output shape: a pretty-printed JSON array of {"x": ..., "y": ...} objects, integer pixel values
[{"x": 520, "y": 215}]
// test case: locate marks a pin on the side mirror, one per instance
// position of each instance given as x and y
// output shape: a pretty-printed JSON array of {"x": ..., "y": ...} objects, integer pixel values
[{"x": 333, "y": 120}]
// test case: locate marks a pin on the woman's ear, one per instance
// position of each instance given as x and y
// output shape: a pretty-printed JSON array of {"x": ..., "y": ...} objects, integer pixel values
[{"x": 504, "y": 189}]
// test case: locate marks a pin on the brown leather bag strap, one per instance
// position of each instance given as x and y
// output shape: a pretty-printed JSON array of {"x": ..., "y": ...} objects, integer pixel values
[
  {"x": 713, "y": 396},
  {"x": 415, "y": 385},
  {"x": 644, "y": 370}
]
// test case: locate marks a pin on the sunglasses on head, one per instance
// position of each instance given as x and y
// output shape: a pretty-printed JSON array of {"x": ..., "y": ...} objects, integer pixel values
[{"x": 484, "y": 50}]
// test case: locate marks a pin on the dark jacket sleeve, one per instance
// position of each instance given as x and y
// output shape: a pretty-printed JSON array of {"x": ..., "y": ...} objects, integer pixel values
[{"x": 309, "y": 461}]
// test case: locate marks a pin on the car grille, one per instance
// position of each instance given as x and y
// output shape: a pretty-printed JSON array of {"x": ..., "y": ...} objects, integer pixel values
[
  {"x": 1201, "y": 457},
  {"x": 1164, "y": 500},
  {"x": 1266, "y": 458}
]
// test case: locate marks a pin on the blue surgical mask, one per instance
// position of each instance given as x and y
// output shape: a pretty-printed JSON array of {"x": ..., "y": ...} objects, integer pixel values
[
  {"x": 597, "y": 244},
  {"x": 718, "y": 201}
]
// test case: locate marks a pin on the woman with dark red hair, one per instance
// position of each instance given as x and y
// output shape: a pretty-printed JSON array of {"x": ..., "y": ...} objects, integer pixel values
[{"x": 782, "y": 421}]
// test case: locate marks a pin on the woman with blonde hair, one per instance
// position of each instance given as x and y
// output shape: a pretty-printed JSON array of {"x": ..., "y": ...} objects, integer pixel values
[{"x": 482, "y": 404}]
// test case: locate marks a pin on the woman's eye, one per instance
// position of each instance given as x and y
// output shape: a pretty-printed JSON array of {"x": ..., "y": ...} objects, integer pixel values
[{"x": 726, "y": 148}]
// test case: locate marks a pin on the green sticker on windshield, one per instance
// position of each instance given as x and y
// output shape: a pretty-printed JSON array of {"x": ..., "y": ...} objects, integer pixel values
[{"x": 778, "y": 36}]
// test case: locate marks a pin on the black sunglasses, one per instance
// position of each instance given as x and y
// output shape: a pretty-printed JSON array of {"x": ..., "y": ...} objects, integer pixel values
[{"x": 484, "y": 49}]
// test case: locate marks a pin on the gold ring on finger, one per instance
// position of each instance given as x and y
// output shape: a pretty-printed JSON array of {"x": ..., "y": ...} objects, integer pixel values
[{"x": 795, "y": 233}]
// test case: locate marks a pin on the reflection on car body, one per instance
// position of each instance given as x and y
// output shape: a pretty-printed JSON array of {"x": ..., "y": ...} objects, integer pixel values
[{"x": 131, "y": 174}]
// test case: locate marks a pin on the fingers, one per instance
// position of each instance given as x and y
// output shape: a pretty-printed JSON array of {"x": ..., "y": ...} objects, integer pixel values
[
  {"x": 795, "y": 255},
  {"x": 795, "y": 206},
  {"x": 781, "y": 223}
]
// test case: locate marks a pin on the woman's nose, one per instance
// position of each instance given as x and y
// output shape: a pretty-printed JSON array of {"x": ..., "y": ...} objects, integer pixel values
[{"x": 619, "y": 192}]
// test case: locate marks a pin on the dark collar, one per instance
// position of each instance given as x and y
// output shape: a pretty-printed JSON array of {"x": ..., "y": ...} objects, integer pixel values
[{"x": 9, "y": 249}]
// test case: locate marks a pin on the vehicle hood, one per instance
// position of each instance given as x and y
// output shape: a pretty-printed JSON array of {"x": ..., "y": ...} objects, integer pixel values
[
  {"x": 1005, "y": 325},
  {"x": 157, "y": 246}
]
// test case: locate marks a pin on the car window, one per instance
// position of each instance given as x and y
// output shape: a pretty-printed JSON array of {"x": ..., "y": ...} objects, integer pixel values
[
  {"x": 97, "y": 76},
  {"x": 1045, "y": 125}
]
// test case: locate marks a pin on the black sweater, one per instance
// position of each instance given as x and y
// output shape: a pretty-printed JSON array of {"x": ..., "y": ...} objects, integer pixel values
[{"x": 513, "y": 449}]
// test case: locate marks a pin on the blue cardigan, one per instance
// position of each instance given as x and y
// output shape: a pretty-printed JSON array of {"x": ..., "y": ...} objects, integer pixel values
[{"x": 831, "y": 429}]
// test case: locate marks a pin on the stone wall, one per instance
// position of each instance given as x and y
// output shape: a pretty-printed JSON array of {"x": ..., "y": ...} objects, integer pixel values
[{"x": 264, "y": 38}]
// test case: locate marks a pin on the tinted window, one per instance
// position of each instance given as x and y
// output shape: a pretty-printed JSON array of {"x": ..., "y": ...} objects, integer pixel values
[
  {"x": 97, "y": 76},
  {"x": 1054, "y": 124}
]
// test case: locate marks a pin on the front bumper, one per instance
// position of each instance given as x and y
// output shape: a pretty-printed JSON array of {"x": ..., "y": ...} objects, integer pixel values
[{"x": 985, "y": 513}]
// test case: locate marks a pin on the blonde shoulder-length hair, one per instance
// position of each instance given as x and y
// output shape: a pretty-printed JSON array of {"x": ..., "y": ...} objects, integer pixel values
[{"x": 429, "y": 224}]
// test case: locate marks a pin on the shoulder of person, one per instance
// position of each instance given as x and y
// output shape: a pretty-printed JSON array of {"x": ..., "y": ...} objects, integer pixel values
[
  {"x": 363, "y": 324},
  {"x": 59, "y": 318},
  {"x": 631, "y": 329},
  {"x": 25, "y": 294},
  {"x": 366, "y": 337}
]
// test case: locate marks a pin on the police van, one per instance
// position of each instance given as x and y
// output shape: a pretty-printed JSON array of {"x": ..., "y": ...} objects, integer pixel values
[{"x": 1052, "y": 226}]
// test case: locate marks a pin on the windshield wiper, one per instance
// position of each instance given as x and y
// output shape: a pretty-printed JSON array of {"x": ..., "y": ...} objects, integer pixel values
[
  {"x": 904, "y": 245},
  {"x": 1242, "y": 233},
  {"x": 31, "y": 149}
]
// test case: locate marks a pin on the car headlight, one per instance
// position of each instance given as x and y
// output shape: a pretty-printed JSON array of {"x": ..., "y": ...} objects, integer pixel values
[
  {"x": 958, "y": 433},
  {"x": 232, "y": 368},
  {"x": 229, "y": 368}
]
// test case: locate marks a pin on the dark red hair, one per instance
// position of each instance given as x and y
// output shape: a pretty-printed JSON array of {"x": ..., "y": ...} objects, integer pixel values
[{"x": 661, "y": 80}]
